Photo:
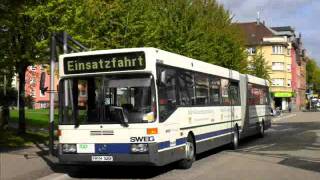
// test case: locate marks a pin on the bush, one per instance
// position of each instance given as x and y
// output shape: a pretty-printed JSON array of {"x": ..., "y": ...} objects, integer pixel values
[{"x": 29, "y": 102}]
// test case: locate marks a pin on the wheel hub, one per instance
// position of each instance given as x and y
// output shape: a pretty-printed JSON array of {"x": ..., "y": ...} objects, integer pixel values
[
  {"x": 235, "y": 138},
  {"x": 189, "y": 150}
]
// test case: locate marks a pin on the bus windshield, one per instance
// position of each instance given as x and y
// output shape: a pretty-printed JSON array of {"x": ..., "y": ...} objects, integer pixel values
[{"x": 108, "y": 99}]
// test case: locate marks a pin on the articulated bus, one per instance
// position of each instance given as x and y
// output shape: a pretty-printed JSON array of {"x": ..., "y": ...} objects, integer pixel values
[{"x": 146, "y": 106}]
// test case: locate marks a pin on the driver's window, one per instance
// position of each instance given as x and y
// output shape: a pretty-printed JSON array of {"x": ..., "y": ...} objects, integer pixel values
[{"x": 167, "y": 91}]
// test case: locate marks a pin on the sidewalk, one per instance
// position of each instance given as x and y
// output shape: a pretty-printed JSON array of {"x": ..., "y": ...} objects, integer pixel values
[
  {"x": 27, "y": 163},
  {"x": 285, "y": 116}
]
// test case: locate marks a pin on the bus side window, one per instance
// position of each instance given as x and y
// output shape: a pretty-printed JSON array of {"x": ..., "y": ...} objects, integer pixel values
[
  {"x": 234, "y": 93},
  {"x": 201, "y": 88},
  {"x": 250, "y": 95},
  {"x": 185, "y": 86},
  {"x": 167, "y": 92},
  {"x": 214, "y": 91},
  {"x": 225, "y": 92}
]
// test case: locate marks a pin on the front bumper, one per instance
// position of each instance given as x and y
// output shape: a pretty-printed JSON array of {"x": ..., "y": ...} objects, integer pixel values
[
  {"x": 118, "y": 159},
  {"x": 150, "y": 158}
]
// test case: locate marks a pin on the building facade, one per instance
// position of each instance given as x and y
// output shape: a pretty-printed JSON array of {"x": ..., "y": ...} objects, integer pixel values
[
  {"x": 298, "y": 65},
  {"x": 283, "y": 53},
  {"x": 32, "y": 86},
  {"x": 39, "y": 99}
]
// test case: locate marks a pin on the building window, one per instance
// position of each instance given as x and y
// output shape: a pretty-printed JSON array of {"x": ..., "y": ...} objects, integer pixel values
[
  {"x": 42, "y": 94},
  {"x": 252, "y": 50},
  {"x": 33, "y": 93},
  {"x": 33, "y": 68},
  {"x": 277, "y": 66},
  {"x": 277, "y": 49},
  {"x": 278, "y": 82},
  {"x": 33, "y": 81},
  {"x": 289, "y": 67},
  {"x": 289, "y": 82},
  {"x": 288, "y": 51},
  {"x": 44, "y": 105}
]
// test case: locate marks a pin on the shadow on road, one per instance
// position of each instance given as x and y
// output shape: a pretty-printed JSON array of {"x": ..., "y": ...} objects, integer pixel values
[
  {"x": 294, "y": 142},
  {"x": 117, "y": 172},
  {"x": 297, "y": 143}
]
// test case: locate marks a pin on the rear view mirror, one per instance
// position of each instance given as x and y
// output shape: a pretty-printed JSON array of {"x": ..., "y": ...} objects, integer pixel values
[
  {"x": 163, "y": 77},
  {"x": 43, "y": 82}
]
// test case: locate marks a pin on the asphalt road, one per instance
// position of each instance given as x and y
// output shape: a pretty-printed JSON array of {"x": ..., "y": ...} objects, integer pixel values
[{"x": 289, "y": 150}]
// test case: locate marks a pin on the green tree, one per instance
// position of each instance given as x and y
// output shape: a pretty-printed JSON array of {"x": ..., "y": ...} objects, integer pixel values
[
  {"x": 259, "y": 67},
  {"x": 18, "y": 44},
  {"x": 195, "y": 28},
  {"x": 313, "y": 74}
]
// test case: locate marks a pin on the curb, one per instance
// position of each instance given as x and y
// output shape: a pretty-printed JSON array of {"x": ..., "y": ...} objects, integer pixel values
[{"x": 55, "y": 176}]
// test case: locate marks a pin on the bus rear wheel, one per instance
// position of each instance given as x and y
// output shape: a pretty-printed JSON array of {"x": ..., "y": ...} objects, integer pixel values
[
  {"x": 235, "y": 138},
  {"x": 261, "y": 131},
  {"x": 190, "y": 154}
]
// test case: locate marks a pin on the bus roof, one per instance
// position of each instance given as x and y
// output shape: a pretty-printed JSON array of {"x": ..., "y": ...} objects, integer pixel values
[
  {"x": 153, "y": 56},
  {"x": 257, "y": 80}
]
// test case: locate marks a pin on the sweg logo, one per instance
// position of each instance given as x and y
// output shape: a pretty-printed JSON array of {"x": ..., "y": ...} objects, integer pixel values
[{"x": 142, "y": 139}]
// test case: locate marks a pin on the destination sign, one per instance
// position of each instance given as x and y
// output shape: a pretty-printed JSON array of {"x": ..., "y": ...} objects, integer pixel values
[{"x": 104, "y": 63}]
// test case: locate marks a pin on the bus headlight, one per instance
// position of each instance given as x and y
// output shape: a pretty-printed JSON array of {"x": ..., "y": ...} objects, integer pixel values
[
  {"x": 139, "y": 148},
  {"x": 69, "y": 148}
]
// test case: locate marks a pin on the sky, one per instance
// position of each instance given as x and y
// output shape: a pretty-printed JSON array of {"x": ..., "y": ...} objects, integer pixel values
[{"x": 302, "y": 15}]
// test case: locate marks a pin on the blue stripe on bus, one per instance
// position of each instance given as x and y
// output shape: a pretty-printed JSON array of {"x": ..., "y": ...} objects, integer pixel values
[
  {"x": 213, "y": 134},
  {"x": 180, "y": 141},
  {"x": 162, "y": 145},
  {"x": 123, "y": 148}
]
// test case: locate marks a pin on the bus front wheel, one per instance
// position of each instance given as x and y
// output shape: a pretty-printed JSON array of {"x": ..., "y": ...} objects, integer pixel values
[{"x": 190, "y": 154}]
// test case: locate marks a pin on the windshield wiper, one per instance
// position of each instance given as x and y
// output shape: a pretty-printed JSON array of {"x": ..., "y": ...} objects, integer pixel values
[{"x": 121, "y": 115}]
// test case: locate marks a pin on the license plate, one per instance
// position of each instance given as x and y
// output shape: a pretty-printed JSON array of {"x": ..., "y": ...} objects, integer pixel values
[{"x": 101, "y": 158}]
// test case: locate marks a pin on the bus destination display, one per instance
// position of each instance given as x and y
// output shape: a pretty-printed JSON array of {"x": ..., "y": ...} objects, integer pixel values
[{"x": 104, "y": 63}]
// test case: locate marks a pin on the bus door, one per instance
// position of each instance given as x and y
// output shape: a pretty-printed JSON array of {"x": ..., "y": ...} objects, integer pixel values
[
  {"x": 234, "y": 101},
  {"x": 226, "y": 102}
]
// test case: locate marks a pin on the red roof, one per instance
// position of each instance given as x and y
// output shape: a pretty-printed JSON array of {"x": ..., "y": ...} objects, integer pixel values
[{"x": 254, "y": 32}]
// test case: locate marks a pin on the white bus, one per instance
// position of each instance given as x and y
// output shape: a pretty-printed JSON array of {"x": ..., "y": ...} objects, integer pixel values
[{"x": 152, "y": 107}]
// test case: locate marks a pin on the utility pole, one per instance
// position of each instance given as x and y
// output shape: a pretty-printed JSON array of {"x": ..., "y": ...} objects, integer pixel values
[
  {"x": 61, "y": 39},
  {"x": 52, "y": 63}
]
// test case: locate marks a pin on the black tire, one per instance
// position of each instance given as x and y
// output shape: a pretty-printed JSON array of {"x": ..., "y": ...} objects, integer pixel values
[
  {"x": 261, "y": 129},
  {"x": 186, "y": 163},
  {"x": 235, "y": 138}
]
